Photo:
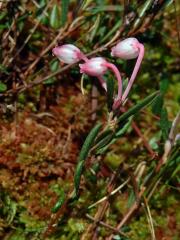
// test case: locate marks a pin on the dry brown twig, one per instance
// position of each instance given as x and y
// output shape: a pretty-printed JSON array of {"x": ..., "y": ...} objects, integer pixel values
[
  {"x": 106, "y": 226},
  {"x": 130, "y": 212}
]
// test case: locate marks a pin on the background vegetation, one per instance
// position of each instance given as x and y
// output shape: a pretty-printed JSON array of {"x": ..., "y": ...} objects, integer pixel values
[{"x": 45, "y": 119}]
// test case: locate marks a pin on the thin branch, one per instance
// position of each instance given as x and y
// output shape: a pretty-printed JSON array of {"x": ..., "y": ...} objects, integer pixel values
[
  {"x": 106, "y": 225},
  {"x": 111, "y": 194},
  {"x": 150, "y": 220},
  {"x": 130, "y": 212},
  {"x": 145, "y": 142}
]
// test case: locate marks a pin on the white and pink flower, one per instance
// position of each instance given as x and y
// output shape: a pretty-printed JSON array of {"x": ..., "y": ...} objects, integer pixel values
[
  {"x": 67, "y": 53},
  {"x": 94, "y": 67},
  {"x": 126, "y": 49}
]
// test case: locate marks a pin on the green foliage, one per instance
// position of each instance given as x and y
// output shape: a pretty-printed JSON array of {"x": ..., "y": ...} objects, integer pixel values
[
  {"x": 77, "y": 176},
  {"x": 84, "y": 154},
  {"x": 110, "y": 93},
  {"x": 138, "y": 107},
  {"x": 17, "y": 235},
  {"x": 42, "y": 125},
  {"x": 158, "y": 104},
  {"x": 43, "y": 18},
  {"x": 89, "y": 142},
  {"x": 59, "y": 203},
  {"x": 65, "y": 5},
  {"x": 112, "y": 137},
  {"x": 9, "y": 207},
  {"x": 54, "y": 65},
  {"x": 31, "y": 224},
  {"x": 55, "y": 17},
  {"x": 3, "y": 87},
  {"x": 164, "y": 124}
]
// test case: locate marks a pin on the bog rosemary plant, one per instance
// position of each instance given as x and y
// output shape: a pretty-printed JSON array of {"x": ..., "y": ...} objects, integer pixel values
[{"x": 100, "y": 137}]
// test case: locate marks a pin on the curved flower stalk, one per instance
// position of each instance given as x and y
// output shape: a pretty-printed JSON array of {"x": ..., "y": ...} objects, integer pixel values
[
  {"x": 97, "y": 67},
  {"x": 129, "y": 48}
]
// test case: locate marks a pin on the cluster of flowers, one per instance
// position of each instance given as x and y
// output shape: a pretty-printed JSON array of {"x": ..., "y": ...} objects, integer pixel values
[{"x": 129, "y": 48}]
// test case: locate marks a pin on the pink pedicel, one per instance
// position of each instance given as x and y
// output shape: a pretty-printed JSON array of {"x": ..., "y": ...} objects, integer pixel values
[
  {"x": 116, "y": 72},
  {"x": 67, "y": 53},
  {"x": 129, "y": 48}
]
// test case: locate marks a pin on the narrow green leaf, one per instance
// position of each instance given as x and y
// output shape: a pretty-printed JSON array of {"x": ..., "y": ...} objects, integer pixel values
[
  {"x": 4, "y": 26},
  {"x": 123, "y": 130},
  {"x": 138, "y": 106},
  {"x": 107, "y": 8},
  {"x": 89, "y": 142},
  {"x": 105, "y": 141},
  {"x": 65, "y": 5},
  {"x": 164, "y": 84},
  {"x": 55, "y": 17},
  {"x": 110, "y": 93},
  {"x": 3, "y": 87},
  {"x": 95, "y": 28},
  {"x": 41, "y": 16},
  {"x": 105, "y": 133},
  {"x": 3, "y": 14},
  {"x": 4, "y": 69},
  {"x": 164, "y": 123},
  {"x": 83, "y": 155},
  {"x": 111, "y": 32},
  {"x": 59, "y": 203},
  {"x": 77, "y": 176},
  {"x": 157, "y": 105},
  {"x": 54, "y": 65},
  {"x": 131, "y": 198},
  {"x": 120, "y": 132}
]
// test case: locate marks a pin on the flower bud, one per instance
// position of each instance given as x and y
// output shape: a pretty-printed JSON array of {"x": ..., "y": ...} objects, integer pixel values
[
  {"x": 126, "y": 49},
  {"x": 67, "y": 53},
  {"x": 94, "y": 67}
]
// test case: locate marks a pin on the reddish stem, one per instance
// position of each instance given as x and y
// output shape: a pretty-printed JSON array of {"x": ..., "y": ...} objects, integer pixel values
[
  {"x": 118, "y": 76},
  {"x": 82, "y": 56},
  {"x": 135, "y": 71}
]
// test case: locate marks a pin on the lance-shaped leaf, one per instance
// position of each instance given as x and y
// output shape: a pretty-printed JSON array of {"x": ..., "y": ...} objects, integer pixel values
[
  {"x": 102, "y": 135},
  {"x": 164, "y": 123},
  {"x": 64, "y": 12},
  {"x": 84, "y": 154},
  {"x": 122, "y": 130},
  {"x": 59, "y": 203},
  {"x": 138, "y": 107},
  {"x": 110, "y": 93},
  {"x": 105, "y": 141},
  {"x": 77, "y": 177},
  {"x": 89, "y": 142},
  {"x": 55, "y": 17}
]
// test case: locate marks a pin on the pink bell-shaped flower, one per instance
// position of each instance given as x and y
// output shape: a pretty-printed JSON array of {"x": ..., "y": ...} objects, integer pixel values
[
  {"x": 94, "y": 67},
  {"x": 126, "y": 49},
  {"x": 67, "y": 53},
  {"x": 97, "y": 67}
]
